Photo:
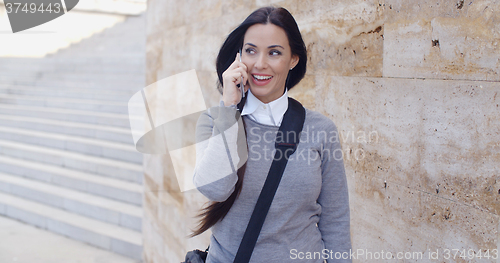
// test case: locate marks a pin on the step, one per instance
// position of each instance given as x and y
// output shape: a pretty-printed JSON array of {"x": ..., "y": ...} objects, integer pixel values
[
  {"x": 74, "y": 93},
  {"x": 99, "y": 208},
  {"x": 113, "y": 134},
  {"x": 72, "y": 76},
  {"x": 120, "y": 91},
  {"x": 92, "y": 147},
  {"x": 125, "y": 61},
  {"x": 68, "y": 85},
  {"x": 120, "y": 31},
  {"x": 85, "y": 182},
  {"x": 105, "y": 49},
  {"x": 76, "y": 61},
  {"x": 90, "y": 67},
  {"x": 75, "y": 84},
  {"x": 89, "y": 117},
  {"x": 69, "y": 67},
  {"x": 81, "y": 162},
  {"x": 38, "y": 69},
  {"x": 73, "y": 104},
  {"x": 106, "y": 236},
  {"x": 83, "y": 49}
]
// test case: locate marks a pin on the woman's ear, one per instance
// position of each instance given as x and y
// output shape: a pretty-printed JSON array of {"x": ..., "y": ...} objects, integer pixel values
[{"x": 294, "y": 61}]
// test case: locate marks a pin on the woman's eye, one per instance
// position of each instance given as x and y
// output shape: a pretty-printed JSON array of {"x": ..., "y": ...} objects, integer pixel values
[
  {"x": 275, "y": 53},
  {"x": 250, "y": 51}
]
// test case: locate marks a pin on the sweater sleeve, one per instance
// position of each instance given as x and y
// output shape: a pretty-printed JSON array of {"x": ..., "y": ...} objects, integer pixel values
[
  {"x": 334, "y": 222},
  {"x": 220, "y": 151}
]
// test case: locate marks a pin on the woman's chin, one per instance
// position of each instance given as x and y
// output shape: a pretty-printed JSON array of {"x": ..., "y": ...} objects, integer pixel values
[{"x": 259, "y": 91}]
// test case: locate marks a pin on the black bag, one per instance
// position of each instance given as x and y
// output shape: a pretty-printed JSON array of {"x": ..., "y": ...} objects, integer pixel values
[
  {"x": 293, "y": 120},
  {"x": 196, "y": 256}
]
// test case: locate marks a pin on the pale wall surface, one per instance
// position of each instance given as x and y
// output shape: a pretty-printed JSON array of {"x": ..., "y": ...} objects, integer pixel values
[{"x": 412, "y": 87}]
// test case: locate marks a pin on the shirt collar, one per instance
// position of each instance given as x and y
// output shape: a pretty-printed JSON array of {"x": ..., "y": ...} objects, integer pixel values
[{"x": 253, "y": 106}]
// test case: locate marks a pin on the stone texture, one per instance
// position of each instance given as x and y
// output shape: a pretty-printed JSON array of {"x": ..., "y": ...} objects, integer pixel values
[
  {"x": 345, "y": 38},
  {"x": 436, "y": 136},
  {"x": 395, "y": 218},
  {"x": 412, "y": 87},
  {"x": 442, "y": 39},
  {"x": 169, "y": 213}
]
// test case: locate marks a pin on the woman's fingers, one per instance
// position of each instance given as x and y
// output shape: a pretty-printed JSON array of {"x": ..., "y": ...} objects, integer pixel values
[
  {"x": 235, "y": 66},
  {"x": 243, "y": 69},
  {"x": 235, "y": 63},
  {"x": 242, "y": 73},
  {"x": 233, "y": 76}
]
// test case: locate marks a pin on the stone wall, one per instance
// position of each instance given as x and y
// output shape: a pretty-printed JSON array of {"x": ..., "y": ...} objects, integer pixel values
[{"x": 412, "y": 87}]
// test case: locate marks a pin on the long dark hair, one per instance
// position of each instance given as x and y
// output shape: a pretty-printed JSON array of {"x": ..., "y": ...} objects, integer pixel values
[{"x": 278, "y": 16}]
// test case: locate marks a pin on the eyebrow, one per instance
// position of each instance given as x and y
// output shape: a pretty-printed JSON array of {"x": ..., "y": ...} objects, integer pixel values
[{"x": 272, "y": 46}]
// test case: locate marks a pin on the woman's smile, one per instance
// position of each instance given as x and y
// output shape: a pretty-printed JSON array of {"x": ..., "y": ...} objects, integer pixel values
[{"x": 261, "y": 79}]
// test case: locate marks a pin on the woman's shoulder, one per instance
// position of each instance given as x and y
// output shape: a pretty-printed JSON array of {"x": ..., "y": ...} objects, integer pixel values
[{"x": 319, "y": 120}]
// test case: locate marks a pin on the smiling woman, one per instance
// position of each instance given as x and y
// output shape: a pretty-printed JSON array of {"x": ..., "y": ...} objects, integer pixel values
[{"x": 310, "y": 209}]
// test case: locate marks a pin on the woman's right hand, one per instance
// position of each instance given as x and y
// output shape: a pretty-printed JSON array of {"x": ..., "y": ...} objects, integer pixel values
[{"x": 231, "y": 94}]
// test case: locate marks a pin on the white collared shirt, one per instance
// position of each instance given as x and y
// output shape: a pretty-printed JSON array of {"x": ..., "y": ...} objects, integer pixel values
[{"x": 266, "y": 113}]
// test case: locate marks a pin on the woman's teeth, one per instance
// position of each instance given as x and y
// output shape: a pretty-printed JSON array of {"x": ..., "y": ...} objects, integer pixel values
[{"x": 262, "y": 77}]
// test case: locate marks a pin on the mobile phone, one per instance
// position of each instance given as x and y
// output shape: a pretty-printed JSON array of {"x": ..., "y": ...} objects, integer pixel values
[{"x": 242, "y": 86}]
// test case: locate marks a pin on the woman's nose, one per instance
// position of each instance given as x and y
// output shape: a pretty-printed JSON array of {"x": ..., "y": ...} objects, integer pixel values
[{"x": 261, "y": 62}]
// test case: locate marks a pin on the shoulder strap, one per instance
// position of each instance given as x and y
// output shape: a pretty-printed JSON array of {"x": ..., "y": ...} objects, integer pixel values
[{"x": 292, "y": 124}]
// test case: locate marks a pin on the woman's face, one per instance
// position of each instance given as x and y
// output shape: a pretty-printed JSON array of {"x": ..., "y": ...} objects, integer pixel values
[{"x": 268, "y": 57}]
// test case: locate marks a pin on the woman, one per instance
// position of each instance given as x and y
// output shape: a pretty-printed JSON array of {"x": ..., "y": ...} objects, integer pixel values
[{"x": 308, "y": 220}]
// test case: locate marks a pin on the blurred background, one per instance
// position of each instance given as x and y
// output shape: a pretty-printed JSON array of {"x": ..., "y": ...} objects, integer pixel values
[
  {"x": 411, "y": 86},
  {"x": 68, "y": 164}
]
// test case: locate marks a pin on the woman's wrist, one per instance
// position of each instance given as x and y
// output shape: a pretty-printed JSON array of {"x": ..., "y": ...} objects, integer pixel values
[{"x": 228, "y": 103}]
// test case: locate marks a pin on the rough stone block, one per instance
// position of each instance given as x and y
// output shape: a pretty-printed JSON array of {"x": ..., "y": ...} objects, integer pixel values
[
  {"x": 433, "y": 135},
  {"x": 442, "y": 39},
  {"x": 404, "y": 220}
]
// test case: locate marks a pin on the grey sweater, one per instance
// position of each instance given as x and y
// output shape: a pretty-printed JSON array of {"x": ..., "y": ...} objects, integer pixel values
[{"x": 309, "y": 217}]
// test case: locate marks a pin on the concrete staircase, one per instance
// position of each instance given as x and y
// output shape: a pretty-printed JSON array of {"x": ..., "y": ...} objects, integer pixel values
[{"x": 67, "y": 158}]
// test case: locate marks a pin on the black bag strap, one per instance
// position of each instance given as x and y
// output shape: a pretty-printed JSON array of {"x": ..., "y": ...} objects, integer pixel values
[{"x": 293, "y": 121}]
